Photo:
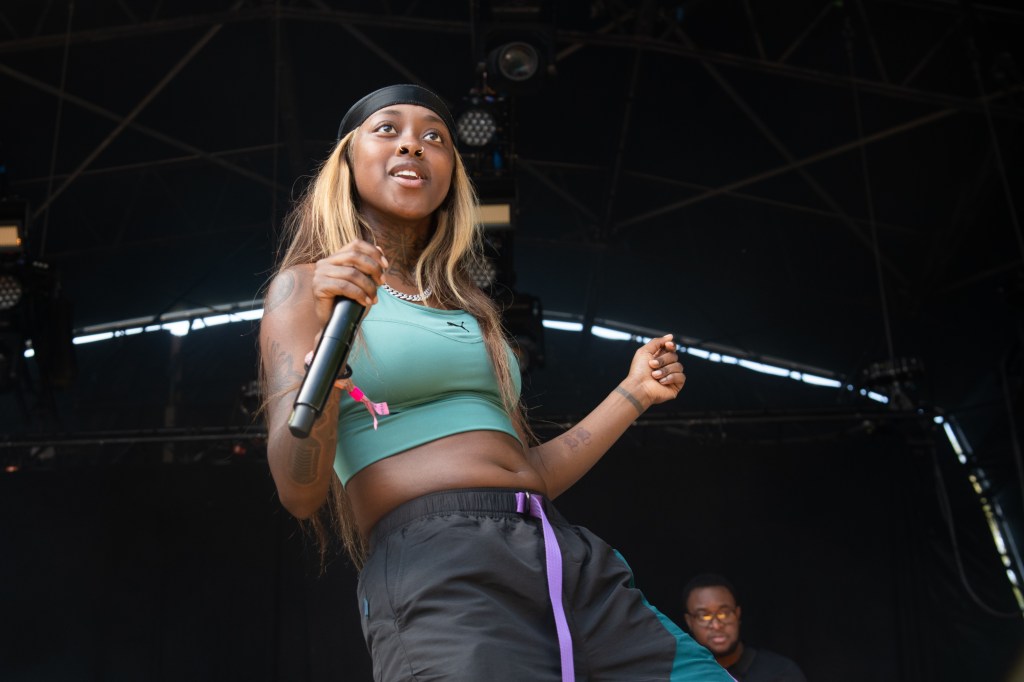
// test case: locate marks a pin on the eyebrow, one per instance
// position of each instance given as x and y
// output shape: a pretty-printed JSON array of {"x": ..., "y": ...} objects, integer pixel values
[{"x": 433, "y": 118}]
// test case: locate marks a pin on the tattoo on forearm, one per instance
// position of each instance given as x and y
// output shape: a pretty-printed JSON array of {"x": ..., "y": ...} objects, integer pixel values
[
  {"x": 574, "y": 439},
  {"x": 632, "y": 400},
  {"x": 280, "y": 291},
  {"x": 305, "y": 458},
  {"x": 304, "y": 462}
]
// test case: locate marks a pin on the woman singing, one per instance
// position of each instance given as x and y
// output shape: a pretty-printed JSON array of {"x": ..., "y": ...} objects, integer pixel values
[{"x": 443, "y": 499}]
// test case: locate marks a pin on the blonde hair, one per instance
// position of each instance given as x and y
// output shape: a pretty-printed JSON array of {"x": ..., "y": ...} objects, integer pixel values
[{"x": 326, "y": 218}]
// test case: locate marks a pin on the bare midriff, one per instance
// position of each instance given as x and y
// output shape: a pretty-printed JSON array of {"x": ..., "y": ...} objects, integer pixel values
[{"x": 476, "y": 459}]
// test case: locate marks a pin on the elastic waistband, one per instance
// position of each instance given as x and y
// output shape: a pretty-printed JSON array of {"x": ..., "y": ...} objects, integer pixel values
[{"x": 483, "y": 500}]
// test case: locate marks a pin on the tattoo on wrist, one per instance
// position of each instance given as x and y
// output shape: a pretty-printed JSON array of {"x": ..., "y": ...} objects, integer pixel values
[{"x": 632, "y": 400}]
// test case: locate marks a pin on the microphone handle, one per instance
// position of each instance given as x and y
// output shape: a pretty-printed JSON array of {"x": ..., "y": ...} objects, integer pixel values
[{"x": 328, "y": 360}]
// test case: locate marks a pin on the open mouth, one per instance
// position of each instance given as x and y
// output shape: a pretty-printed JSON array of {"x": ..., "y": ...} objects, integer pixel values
[{"x": 408, "y": 172}]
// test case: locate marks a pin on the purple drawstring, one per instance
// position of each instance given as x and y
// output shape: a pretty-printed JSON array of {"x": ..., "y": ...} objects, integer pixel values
[{"x": 553, "y": 560}]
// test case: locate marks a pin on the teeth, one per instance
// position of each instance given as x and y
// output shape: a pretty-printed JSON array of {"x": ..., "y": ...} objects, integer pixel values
[{"x": 407, "y": 174}]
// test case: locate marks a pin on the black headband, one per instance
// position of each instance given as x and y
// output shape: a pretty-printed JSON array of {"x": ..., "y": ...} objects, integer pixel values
[{"x": 395, "y": 94}]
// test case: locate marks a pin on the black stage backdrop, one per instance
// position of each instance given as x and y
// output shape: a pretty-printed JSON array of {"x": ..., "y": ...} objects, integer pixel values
[{"x": 136, "y": 570}]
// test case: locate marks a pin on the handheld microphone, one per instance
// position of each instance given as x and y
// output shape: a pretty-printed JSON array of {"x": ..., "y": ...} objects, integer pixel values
[{"x": 328, "y": 361}]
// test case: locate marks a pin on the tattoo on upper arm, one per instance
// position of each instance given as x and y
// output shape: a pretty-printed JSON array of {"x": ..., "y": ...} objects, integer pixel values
[
  {"x": 574, "y": 439},
  {"x": 280, "y": 291},
  {"x": 632, "y": 400}
]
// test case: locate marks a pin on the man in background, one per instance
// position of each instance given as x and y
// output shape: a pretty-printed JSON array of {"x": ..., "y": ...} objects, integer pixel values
[{"x": 713, "y": 618}]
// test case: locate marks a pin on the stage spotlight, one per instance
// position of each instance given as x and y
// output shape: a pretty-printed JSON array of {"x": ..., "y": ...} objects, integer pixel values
[
  {"x": 476, "y": 127},
  {"x": 495, "y": 271},
  {"x": 518, "y": 61},
  {"x": 485, "y": 135},
  {"x": 10, "y": 291},
  {"x": 33, "y": 309},
  {"x": 484, "y": 272},
  {"x": 513, "y": 45}
]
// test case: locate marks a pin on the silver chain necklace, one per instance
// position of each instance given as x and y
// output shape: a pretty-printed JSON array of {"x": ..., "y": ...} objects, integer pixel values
[{"x": 407, "y": 297}]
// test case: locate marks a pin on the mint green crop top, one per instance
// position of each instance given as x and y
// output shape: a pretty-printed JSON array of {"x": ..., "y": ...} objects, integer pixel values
[{"x": 432, "y": 368}]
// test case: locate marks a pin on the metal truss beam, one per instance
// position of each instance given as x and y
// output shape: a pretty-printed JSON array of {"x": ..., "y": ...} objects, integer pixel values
[
  {"x": 126, "y": 121},
  {"x": 138, "y": 127},
  {"x": 781, "y": 148},
  {"x": 788, "y": 71},
  {"x": 536, "y": 167},
  {"x": 806, "y": 32},
  {"x": 781, "y": 170},
  {"x": 533, "y": 167}
]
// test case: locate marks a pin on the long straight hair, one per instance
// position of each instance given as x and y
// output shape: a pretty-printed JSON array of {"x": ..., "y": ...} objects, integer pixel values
[{"x": 326, "y": 218}]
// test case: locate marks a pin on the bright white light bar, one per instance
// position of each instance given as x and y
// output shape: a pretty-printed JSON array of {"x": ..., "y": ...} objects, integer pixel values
[
  {"x": 92, "y": 338},
  {"x": 724, "y": 359},
  {"x": 997, "y": 535},
  {"x": 764, "y": 369},
  {"x": 820, "y": 381},
  {"x": 563, "y": 326},
  {"x": 954, "y": 442},
  {"x": 613, "y": 334},
  {"x": 213, "y": 321},
  {"x": 878, "y": 397},
  {"x": 193, "y": 320},
  {"x": 177, "y": 328}
]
